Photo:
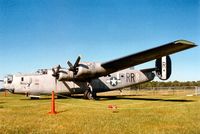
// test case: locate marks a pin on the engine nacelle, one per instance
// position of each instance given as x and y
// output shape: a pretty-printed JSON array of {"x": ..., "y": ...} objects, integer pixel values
[
  {"x": 163, "y": 67},
  {"x": 85, "y": 71},
  {"x": 66, "y": 75}
]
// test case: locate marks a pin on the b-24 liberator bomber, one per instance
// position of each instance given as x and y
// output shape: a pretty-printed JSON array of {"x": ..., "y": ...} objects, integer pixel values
[{"x": 89, "y": 78}]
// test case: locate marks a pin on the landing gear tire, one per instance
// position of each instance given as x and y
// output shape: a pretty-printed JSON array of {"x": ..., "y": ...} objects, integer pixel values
[{"x": 89, "y": 95}]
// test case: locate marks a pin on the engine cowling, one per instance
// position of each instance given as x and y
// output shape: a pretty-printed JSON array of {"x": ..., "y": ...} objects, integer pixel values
[
  {"x": 163, "y": 67},
  {"x": 85, "y": 71},
  {"x": 66, "y": 75}
]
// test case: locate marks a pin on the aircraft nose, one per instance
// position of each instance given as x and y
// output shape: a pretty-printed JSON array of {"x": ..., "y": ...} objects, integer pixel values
[{"x": 10, "y": 90}]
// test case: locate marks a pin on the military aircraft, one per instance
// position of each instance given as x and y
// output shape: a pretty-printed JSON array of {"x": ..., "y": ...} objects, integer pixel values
[{"x": 89, "y": 78}]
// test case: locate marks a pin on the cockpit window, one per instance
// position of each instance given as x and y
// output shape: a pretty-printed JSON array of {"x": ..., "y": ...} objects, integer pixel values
[
  {"x": 9, "y": 79},
  {"x": 42, "y": 71}
]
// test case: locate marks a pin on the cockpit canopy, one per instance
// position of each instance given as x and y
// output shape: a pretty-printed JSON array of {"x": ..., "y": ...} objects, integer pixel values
[{"x": 42, "y": 71}]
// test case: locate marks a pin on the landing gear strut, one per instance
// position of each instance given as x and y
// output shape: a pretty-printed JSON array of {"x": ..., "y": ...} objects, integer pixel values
[{"x": 89, "y": 93}]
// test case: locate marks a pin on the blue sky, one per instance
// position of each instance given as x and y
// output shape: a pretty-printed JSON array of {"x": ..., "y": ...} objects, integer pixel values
[{"x": 43, "y": 33}]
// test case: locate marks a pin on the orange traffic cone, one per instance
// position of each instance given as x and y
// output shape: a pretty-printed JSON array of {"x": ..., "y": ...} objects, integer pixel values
[{"x": 52, "y": 104}]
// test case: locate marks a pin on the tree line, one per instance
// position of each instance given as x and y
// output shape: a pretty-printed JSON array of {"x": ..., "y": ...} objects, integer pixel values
[{"x": 167, "y": 84}]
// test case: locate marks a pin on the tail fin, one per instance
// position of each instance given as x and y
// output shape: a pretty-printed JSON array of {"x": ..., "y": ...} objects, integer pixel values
[{"x": 163, "y": 67}]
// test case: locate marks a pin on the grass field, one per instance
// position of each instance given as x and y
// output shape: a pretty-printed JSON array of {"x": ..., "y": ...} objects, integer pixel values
[{"x": 134, "y": 114}]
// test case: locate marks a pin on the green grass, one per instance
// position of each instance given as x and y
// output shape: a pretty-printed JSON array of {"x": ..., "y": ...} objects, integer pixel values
[{"x": 134, "y": 115}]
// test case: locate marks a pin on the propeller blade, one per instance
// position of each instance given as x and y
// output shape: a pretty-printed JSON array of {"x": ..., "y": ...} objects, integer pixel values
[
  {"x": 71, "y": 67},
  {"x": 56, "y": 84},
  {"x": 54, "y": 72},
  {"x": 1, "y": 80},
  {"x": 77, "y": 62},
  {"x": 57, "y": 69}
]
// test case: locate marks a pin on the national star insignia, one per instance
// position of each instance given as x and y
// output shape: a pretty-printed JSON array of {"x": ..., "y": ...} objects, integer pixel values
[{"x": 113, "y": 81}]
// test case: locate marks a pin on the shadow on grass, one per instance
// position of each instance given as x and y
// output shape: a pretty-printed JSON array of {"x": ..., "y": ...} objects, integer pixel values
[
  {"x": 128, "y": 97},
  {"x": 63, "y": 111},
  {"x": 28, "y": 99},
  {"x": 49, "y": 98},
  {"x": 2, "y": 106},
  {"x": 105, "y": 98}
]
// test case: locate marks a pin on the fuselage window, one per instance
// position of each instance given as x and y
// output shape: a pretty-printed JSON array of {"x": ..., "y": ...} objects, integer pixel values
[{"x": 22, "y": 78}]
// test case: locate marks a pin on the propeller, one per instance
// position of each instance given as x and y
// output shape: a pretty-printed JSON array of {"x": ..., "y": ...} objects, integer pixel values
[
  {"x": 55, "y": 74},
  {"x": 74, "y": 67},
  {"x": 1, "y": 80},
  {"x": 56, "y": 71}
]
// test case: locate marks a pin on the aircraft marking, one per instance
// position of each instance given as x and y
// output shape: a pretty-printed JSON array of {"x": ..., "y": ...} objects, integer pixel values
[
  {"x": 130, "y": 77},
  {"x": 114, "y": 80}
]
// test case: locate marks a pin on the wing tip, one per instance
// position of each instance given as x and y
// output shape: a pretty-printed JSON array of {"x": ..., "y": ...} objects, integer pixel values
[{"x": 185, "y": 42}]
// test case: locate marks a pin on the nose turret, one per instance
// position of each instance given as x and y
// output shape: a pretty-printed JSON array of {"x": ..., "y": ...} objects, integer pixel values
[
  {"x": 1, "y": 85},
  {"x": 6, "y": 84}
]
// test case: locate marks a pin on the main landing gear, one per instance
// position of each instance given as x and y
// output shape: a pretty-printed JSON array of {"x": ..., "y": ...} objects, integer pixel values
[{"x": 89, "y": 93}]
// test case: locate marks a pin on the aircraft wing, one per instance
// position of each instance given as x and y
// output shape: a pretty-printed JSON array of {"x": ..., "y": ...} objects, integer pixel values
[{"x": 147, "y": 55}]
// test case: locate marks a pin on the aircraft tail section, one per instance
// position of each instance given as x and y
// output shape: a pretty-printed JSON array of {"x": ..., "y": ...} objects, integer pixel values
[{"x": 163, "y": 67}]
